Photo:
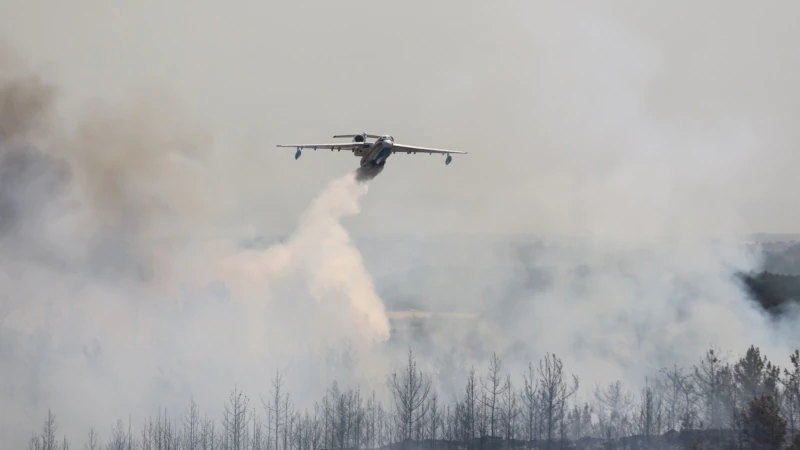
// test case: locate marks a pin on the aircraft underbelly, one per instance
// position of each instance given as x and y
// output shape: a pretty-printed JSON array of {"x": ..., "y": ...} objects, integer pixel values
[
  {"x": 383, "y": 155},
  {"x": 376, "y": 156}
]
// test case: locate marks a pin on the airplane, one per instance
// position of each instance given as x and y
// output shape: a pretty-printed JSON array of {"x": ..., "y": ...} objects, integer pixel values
[{"x": 374, "y": 154}]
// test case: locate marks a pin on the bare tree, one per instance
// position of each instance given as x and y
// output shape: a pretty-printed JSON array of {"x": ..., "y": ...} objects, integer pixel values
[
  {"x": 49, "y": 432},
  {"x": 119, "y": 438},
  {"x": 482, "y": 416},
  {"x": 509, "y": 409},
  {"x": 370, "y": 421},
  {"x": 711, "y": 377},
  {"x": 580, "y": 422},
  {"x": 327, "y": 411},
  {"x": 275, "y": 408},
  {"x": 614, "y": 407},
  {"x": 146, "y": 434},
  {"x": 34, "y": 443},
  {"x": 542, "y": 410},
  {"x": 530, "y": 403},
  {"x": 191, "y": 426},
  {"x": 554, "y": 394},
  {"x": 679, "y": 396},
  {"x": 235, "y": 420},
  {"x": 131, "y": 440},
  {"x": 649, "y": 416},
  {"x": 316, "y": 440},
  {"x": 467, "y": 412},
  {"x": 91, "y": 440},
  {"x": 493, "y": 387},
  {"x": 209, "y": 435},
  {"x": 286, "y": 424},
  {"x": 410, "y": 391},
  {"x": 257, "y": 439},
  {"x": 433, "y": 413}
]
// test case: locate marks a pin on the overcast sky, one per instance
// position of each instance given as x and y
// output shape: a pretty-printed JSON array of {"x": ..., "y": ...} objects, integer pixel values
[{"x": 577, "y": 118}]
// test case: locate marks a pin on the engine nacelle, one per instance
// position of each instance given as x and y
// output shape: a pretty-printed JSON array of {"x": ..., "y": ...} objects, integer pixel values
[{"x": 360, "y": 137}]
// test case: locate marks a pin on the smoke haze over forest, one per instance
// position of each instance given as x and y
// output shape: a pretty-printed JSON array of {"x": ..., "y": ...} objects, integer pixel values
[{"x": 640, "y": 145}]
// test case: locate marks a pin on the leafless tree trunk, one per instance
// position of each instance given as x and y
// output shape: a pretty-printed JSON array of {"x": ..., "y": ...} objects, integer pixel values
[
  {"x": 554, "y": 393},
  {"x": 275, "y": 409},
  {"x": 483, "y": 416},
  {"x": 118, "y": 438},
  {"x": 614, "y": 404},
  {"x": 530, "y": 403},
  {"x": 315, "y": 441},
  {"x": 34, "y": 443},
  {"x": 649, "y": 413},
  {"x": 191, "y": 426},
  {"x": 493, "y": 388},
  {"x": 509, "y": 409},
  {"x": 235, "y": 420},
  {"x": 147, "y": 438},
  {"x": 326, "y": 442},
  {"x": 410, "y": 392},
  {"x": 369, "y": 423},
  {"x": 433, "y": 412},
  {"x": 469, "y": 409},
  {"x": 256, "y": 443},
  {"x": 381, "y": 426},
  {"x": 709, "y": 376},
  {"x": 49, "y": 432},
  {"x": 286, "y": 424},
  {"x": 211, "y": 428},
  {"x": 677, "y": 392},
  {"x": 91, "y": 440}
]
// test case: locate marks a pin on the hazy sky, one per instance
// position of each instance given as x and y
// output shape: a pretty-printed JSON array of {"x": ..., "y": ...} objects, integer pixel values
[
  {"x": 577, "y": 117},
  {"x": 627, "y": 121}
]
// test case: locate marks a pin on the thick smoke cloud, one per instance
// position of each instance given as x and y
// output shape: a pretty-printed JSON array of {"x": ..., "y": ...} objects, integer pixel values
[
  {"x": 640, "y": 142},
  {"x": 112, "y": 290}
]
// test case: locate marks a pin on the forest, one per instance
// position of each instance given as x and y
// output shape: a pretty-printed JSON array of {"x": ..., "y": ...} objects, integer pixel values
[{"x": 749, "y": 403}]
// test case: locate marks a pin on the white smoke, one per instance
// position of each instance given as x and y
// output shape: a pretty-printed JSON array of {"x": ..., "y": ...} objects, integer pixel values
[
  {"x": 318, "y": 258},
  {"x": 623, "y": 128},
  {"x": 112, "y": 290},
  {"x": 134, "y": 348}
]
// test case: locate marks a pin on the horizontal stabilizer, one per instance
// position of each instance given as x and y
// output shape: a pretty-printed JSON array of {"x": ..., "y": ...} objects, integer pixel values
[{"x": 371, "y": 136}]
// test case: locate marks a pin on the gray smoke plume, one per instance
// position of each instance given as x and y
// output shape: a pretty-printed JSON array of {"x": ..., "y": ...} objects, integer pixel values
[
  {"x": 113, "y": 290},
  {"x": 640, "y": 143}
]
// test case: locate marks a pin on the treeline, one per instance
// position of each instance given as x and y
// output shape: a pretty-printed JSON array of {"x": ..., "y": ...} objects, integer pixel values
[
  {"x": 777, "y": 285},
  {"x": 773, "y": 292},
  {"x": 748, "y": 403}
]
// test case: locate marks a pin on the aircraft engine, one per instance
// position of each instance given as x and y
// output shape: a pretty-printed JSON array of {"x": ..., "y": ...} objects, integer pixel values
[{"x": 360, "y": 137}]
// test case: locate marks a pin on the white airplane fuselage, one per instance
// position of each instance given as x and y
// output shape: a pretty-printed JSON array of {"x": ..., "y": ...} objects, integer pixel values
[{"x": 376, "y": 153}]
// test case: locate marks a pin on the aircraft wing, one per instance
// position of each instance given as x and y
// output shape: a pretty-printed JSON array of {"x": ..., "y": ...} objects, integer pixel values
[
  {"x": 413, "y": 149},
  {"x": 338, "y": 145}
]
